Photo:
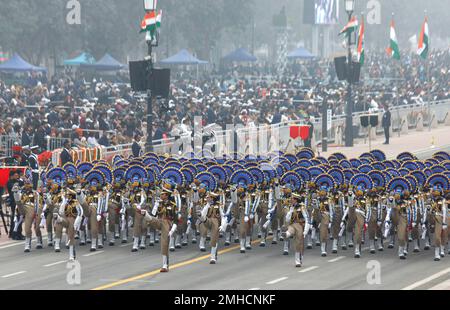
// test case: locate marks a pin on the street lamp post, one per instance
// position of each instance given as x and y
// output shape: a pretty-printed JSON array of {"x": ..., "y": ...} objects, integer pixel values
[
  {"x": 150, "y": 5},
  {"x": 349, "y": 8}
]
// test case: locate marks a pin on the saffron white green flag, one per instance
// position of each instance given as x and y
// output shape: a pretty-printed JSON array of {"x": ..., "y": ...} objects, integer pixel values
[
  {"x": 424, "y": 40},
  {"x": 351, "y": 26},
  {"x": 393, "y": 49},
  {"x": 151, "y": 21},
  {"x": 361, "y": 42}
]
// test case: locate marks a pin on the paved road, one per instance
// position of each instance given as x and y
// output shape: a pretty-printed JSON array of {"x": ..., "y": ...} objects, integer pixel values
[{"x": 261, "y": 268}]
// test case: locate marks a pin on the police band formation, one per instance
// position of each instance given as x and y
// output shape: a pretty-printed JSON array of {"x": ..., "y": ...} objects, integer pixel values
[{"x": 297, "y": 201}]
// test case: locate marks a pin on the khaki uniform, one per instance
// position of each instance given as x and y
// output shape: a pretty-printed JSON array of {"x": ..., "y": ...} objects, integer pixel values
[
  {"x": 360, "y": 209},
  {"x": 324, "y": 217},
  {"x": 166, "y": 216},
  {"x": 212, "y": 224},
  {"x": 296, "y": 229},
  {"x": 30, "y": 207},
  {"x": 139, "y": 224},
  {"x": 401, "y": 210}
]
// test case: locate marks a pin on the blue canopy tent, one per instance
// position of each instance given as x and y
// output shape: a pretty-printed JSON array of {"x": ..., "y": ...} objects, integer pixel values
[
  {"x": 183, "y": 57},
  {"x": 240, "y": 55},
  {"x": 17, "y": 64},
  {"x": 300, "y": 53},
  {"x": 84, "y": 58},
  {"x": 106, "y": 63}
]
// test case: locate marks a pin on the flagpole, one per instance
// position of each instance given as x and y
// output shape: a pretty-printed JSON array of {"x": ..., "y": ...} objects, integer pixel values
[
  {"x": 427, "y": 64},
  {"x": 349, "y": 114}
]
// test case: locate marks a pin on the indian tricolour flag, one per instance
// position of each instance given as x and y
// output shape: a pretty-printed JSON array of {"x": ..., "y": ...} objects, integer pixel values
[
  {"x": 424, "y": 40},
  {"x": 151, "y": 21},
  {"x": 361, "y": 42},
  {"x": 350, "y": 27},
  {"x": 393, "y": 49}
]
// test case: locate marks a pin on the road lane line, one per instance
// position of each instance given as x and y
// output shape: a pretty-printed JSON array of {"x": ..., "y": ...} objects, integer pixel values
[
  {"x": 336, "y": 259},
  {"x": 13, "y": 274},
  {"x": 277, "y": 280},
  {"x": 175, "y": 266},
  {"x": 57, "y": 263},
  {"x": 124, "y": 245},
  {"x": 426, "y": 280},
  {"x": 93, "y": 253},
  {"x": 444, "y": 286},
  {"x": 254, "y": 289},
  {"x": 308, "y": 269},
  {"x": 13, "y": 243}
]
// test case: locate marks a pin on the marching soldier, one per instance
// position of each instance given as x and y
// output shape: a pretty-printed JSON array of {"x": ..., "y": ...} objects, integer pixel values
[
  {"x": 246, "y": 218},
  {"x": 95, "y": 206},
  {"x": 138, "y": 205},
  {"x": 298, "y": 226},
  {"x": 53, "y": 198},
  {"x": 163, "y": 217},
  {"x": 67, "y": 214},
  {"x": 360, "y": 209},
  {"x": 29, "y": 204},
  {"x": 373, "y": 217},
  {"x": 325, "y": 208},
  {"x": 438, "y": 210},
  {"x": 115, "y": 206},
  {"x": 338, "y": 212},
  {"x": 210, "y": 219}
]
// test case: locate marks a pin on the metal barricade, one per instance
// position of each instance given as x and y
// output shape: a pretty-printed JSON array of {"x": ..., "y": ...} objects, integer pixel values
[{"x": 6, "y": 145}]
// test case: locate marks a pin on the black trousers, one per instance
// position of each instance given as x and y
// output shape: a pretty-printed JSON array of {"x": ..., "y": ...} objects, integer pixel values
[
  {"x": 35, "y": 180},
  {"x": 387, "y": 132},
  {"x": 11, "y": 227}
]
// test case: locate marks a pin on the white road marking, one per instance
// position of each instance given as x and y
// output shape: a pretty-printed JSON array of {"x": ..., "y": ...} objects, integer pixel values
[
  {"x": 254, "y": 289},
  {"x": 11, "y": 244},
  {"x": 13, "y": 274},
  {"x": 442, "y": 286},
  {"x": 309, "y": 269},
  {"x": 93, "y": 253},
  {"x": 336, "y": 259},
  {"x": 57, "y": 263},
  {"x": 277, "y": 280},
  {"x": 124, "y": 245},
  {"x": 426, "y": 280}
]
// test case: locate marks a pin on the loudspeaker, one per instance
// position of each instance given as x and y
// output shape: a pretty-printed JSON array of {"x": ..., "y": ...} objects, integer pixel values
[
  {"x": 340, "y": 64},
  {"x": 364, "y": 121},
  {"x": 374, "y": 120},
  {"x": 158, "y": 81},
  {"x": 355, "y": 72},
  {"x": 138, "y": 75}
]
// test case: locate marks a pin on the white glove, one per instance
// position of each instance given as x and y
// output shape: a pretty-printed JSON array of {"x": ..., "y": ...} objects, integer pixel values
[
  {"x": 172, "y": 231},
  {"x": 379, "y": 223},
  {"x": 329, "y": 226},
  {"x": 444, "y": 226},
  {"x": 77, "y": 223},
  {"x": 306, "y": 230},
  {"x": 43, "y": 222},
  {"x": 414, "y": 225},
  {"x": 246, "y": 219},
  {"x": 99, "y": 218},
  {"x": 252, "y": 216}
]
